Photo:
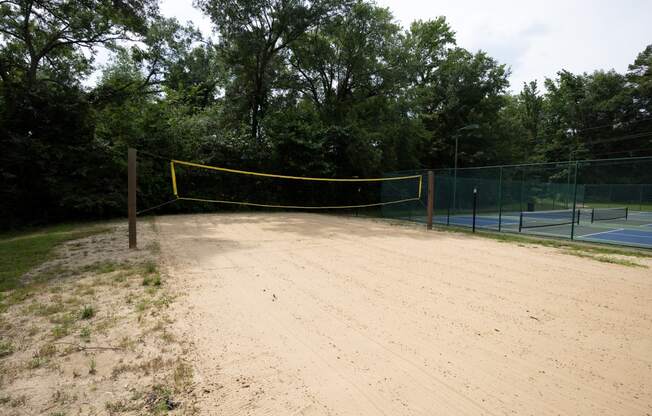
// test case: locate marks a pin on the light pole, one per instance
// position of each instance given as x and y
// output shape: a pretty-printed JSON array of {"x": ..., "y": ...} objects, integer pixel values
[{"x": 457, "y": 136}]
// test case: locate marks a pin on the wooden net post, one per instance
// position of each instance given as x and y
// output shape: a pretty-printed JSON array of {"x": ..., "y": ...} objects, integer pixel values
[
  {"x": 131, "y": 197},
  {"x": 431, "y": 197}
]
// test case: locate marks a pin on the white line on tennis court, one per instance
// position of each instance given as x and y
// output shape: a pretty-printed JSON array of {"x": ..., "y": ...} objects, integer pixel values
[{"x": 602, "y": 232}]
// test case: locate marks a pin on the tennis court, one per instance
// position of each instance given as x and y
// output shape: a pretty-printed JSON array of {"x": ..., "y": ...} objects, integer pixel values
[
  {"x": 633, "y": 231},
  {"x": 602, "y": 201},
  {"x": 641, "y": 238},
  {"x": 320, "y": 314}
]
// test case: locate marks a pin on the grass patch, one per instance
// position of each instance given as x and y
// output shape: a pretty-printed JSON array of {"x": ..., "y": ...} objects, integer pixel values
[
  {"x": 150, "y": 267},
  {"x": 126, "y": 343},
  {"x": 607, "y": 250},
  {"x": 92, "y": 366},
  {"x": 102, "y": 267},
  {"x": 152, "y": 280},
  {"x": 40, "y": 309},
  {"x": 119, "y": 406},
  {"x": 154, "y": 365},
  {"x": 47, "y": 351},
  {"x": 168, "y": 337},
  {"x": 87, "y": 312},
  {"x": 63, "y": 324},
  {"x": 605, "y": 259},
  {"x": 182, "y": 375},
  {"x": 85, "y": 334},
  {"x": 60, "y": 331},
  {"x": 21, "y": 252},
  {"x": 162, "y": 302},
  {"x": 142, "y": 305},
  {"x": 106, "y": 323},
  {"x": 160, "y": 400},
  {"x": 13, "y": 298},
  {"x": 154, "y": 247},
  {"x": 73, "y": 301},
  {"x": 51, "y": 273},
  {"x": 35, "y": 363},
  {"x": 6, "y": 348}
]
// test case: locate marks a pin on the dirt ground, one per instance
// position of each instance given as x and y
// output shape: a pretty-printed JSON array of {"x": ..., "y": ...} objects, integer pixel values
[
  {"x": 309, "y": 314},
  {"x": 90, "y": 333}
]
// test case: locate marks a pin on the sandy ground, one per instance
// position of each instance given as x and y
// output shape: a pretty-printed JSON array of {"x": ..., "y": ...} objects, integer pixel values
[
  {"x": 317, "y": 315},
  {"x": 122, "y": 358}
]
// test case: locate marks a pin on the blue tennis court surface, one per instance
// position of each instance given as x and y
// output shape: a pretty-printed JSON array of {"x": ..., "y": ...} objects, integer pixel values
[
  {"x": 467, "y": 221},
  {"x": 624, "y": 236},
  {"x": 641, "y": 237}
]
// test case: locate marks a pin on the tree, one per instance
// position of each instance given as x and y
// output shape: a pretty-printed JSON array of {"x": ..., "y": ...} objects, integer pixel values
[
  {"x": 466, "y": 89},
  {"x": 350, "y": 58},
  {"x": 46, "y": 119},
  {"x": 531, "y": 109},
  {"x": 253, "y": 36},
  {"x": 639, "y": 77},
  {"x": 47, "y": 38},
  {"x": 588, "y": 116}
]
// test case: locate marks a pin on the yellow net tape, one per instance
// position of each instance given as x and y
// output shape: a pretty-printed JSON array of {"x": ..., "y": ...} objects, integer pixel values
[
  {"x": 252, "y": 204},
  {"x": 270, "y": 175},
  {"x": 301, "y": 178},
  {"x": 174, "y": 179}
]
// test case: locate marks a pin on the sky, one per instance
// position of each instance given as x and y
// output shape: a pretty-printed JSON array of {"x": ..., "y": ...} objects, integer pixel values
[{"x": 536, "y": 39}]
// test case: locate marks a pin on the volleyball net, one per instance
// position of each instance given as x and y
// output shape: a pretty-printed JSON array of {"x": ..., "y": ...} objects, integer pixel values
[{"x": 202, "y": 183}]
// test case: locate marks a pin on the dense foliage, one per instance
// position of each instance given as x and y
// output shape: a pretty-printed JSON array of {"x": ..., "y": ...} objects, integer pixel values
[{"x": 306, "y": 87}]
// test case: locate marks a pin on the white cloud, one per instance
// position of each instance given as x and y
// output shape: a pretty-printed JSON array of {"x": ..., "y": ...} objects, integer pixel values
[
  {"x": 185, "y": 12},
  {"x": 538, "y": 38}
]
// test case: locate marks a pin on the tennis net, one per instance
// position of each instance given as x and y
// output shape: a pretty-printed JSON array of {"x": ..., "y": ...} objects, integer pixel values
[
  {"x": 603, "y": 214},
  {"x": 536, "y": 219}
]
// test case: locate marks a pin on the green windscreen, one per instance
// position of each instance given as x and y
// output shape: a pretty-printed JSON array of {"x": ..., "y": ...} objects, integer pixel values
[{"x": 595, "y": 200}]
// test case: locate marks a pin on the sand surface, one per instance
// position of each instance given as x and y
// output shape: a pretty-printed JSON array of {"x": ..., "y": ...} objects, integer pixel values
[{"x": 308, "y": 314}]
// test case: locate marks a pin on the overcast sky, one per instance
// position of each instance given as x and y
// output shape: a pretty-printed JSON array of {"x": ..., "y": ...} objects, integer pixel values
[{"x": 534, "y": 38}]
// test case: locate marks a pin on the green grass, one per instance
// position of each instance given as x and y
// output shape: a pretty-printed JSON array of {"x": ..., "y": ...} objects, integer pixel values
[
  {"x": 85, "y": 334},
  {"x": 605, "y": 259},
  {"x": 152, "y": 280},
  {"x": 102, "y": 267},
  {"x": 43, "y": 309},
  {"x": 60, "y": 331},
  {"x": 87, "y": 312},
  {"x": 150, "y": 267},
  {"x": 92, "y": 366},
  {"x": 6, "y": 348},
  {"x": 21, "y": 252}
]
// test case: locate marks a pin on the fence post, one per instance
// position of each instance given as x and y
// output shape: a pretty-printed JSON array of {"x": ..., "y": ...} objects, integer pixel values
[
  {"x": 448, "y": 206},
  {"x": 572, "y": 236},
  {"x": 131, "y": 196},
  {"x": 475, "y": 205},
  {"x": 500, "y": 199},
  {"x": 520, "y": 205},
  {"x": 431, "y": 197}
]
